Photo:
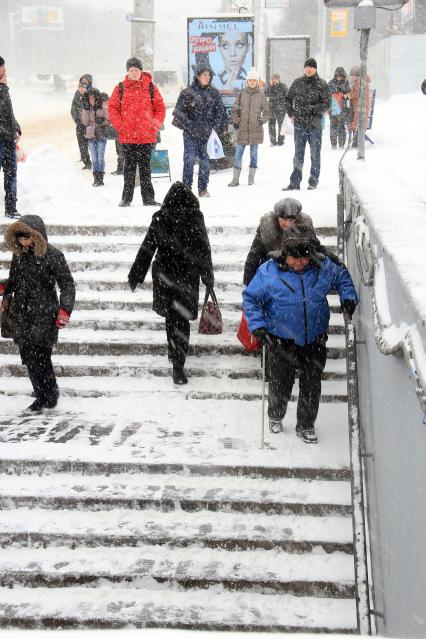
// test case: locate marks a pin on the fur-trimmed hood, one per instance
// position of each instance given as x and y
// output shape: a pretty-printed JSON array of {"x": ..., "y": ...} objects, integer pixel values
[
  {"x": 271, "y": 233},
  {"x": 34, "y": 226}
]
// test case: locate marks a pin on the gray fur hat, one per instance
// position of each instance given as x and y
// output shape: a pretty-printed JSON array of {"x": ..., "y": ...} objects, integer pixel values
[{"x": 288, "y": 207}]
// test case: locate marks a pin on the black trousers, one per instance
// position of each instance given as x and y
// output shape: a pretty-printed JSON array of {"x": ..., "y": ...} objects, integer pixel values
[
  {"x": 138, "y": 155},
  {"x": 83, "y": 145},
  {"x": 285, "y": 357},
  {"x": 177, "y": 330},
  {"x": 276, "y": 121},
  {"x": 337, "y": 130},
  {"x": 38, "y": 360}
]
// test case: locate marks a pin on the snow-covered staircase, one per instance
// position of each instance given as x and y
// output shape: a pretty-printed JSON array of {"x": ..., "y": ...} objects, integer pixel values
[{"x": 139, "y": 503}]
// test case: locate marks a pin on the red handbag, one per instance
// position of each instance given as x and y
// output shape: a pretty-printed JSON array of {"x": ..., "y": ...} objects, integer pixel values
[
  {"x": 211, "y": 317},
  {"x": 250, "y": 342}
]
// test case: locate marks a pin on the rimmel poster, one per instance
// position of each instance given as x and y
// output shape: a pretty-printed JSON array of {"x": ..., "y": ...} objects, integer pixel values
[{"x": 226, "y": 44}]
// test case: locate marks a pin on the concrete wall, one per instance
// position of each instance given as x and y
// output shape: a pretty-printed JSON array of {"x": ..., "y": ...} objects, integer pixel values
[
  {"x": 396, "y": 474},
  {"x": 398, "y": 64}
]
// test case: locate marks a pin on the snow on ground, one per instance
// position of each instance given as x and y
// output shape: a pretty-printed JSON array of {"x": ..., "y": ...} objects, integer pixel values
[{"x": 144, "y": 633}]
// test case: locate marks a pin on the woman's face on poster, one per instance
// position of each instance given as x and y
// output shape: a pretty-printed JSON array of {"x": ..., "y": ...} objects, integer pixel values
[{"x": 233, "y": 47}]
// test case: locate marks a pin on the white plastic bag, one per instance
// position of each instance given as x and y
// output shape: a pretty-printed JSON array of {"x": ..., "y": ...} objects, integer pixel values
[
  {"x": 287, "y": 127},
  {"x": 214, "y": 147}
]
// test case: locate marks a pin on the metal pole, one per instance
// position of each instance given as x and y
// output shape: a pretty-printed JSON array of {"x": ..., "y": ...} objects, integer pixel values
[
  {"x": 143, "y": 28},
  {"x": 262, "y": 441},
  {"x": 365, "y": 34}
]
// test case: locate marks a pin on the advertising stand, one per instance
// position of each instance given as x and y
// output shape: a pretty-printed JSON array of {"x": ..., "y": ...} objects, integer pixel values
[{"x": 226, "y": 44}]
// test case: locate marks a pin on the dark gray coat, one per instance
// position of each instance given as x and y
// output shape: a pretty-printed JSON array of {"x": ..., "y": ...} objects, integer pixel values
[
  {"x": 178, "y": 238},
  {"x": 32, "y": 284},
  {"x": 9, "y": 128},
  {"x": 307, "y": 100}
]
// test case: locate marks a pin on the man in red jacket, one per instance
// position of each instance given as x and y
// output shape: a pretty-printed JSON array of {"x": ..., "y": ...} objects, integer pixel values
[{"x": 136, "y": 110}]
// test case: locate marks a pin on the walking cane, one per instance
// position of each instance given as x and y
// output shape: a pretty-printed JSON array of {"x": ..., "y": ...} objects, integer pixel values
[{"x": 262, "y": 441}]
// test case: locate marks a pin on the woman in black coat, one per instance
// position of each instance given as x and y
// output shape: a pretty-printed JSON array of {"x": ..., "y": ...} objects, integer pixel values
[
  {"x": 30, "y": 290},
  {"x": 178, "y": 238}
]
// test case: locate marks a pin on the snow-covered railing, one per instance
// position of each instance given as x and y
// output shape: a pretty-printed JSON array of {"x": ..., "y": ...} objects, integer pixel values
[
  {"x": 403, "y": 340},
  {"x": 357, "y": 489}
]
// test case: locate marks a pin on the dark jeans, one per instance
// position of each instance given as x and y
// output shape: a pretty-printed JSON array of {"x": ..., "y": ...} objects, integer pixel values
[
  {"x": 301, "y": 136},
  {"x": 337, "y": 130},
  {"x": 284, "y": 357},
  {"x": 138, "y": 155},
  {"x": 276, "y": 121},
  {"x": 83, "y": 145},
  {"x": 9, "y": 166},
  {"x": 193, "y": 148},
  {"x": 177, "y": 330},
  {"x": 38, "y": 360}
]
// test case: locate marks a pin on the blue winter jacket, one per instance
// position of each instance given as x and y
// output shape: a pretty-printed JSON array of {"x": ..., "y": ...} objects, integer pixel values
[
  {"x": 199, "y": 109},
  {"x": 293, "y": 305}
]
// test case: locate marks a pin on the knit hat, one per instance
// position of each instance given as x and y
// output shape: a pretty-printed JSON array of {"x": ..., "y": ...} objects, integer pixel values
[
  {"x": 311, "y": 62},
  {"x": 253, "y": 74},
  {"x": 288, "y": 207},
  {"x": 2, "y": 62},
  {"x": 134, "y": 62}
]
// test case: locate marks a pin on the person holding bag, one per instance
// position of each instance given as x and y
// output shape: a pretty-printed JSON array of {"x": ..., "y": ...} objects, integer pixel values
[
  {"x": 178, "y": 239},
  {"x": 30, "y": 299}
]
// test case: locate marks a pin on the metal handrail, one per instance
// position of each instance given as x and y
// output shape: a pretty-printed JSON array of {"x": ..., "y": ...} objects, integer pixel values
[
  {"x": 356, "y": 465},
  {"x": 358, "y": 509}
]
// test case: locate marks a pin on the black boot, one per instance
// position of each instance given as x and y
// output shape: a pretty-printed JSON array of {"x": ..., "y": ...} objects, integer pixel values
[
  {"x": 36, "y": 406},
  {"x": 95, "y": 178},
  {"x": 13, "y": 213},
  {"x": 179, "y": 376},
  {"x": 101, "y": 178}
]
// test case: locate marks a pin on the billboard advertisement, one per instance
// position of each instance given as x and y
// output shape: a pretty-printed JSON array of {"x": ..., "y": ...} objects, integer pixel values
[{"x": 226, "y": 44}]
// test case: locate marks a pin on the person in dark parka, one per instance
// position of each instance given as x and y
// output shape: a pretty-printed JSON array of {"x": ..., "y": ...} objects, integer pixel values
[
  {"x": 199, "y": 109},
  {"x": 85, "y": 83},
  {"x": 307, "y": 100},
  {"x": 178, "y": 238},
  {"x": 339, "y": 89},
  {"x": 37, "y": 267},
  {"x": 10, "y": 132},
  {"x": 269, "y": 233},
  {"x": 276, "y": 92}
]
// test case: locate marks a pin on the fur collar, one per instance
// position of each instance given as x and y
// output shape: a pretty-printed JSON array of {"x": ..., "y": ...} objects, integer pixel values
[{"x": 40, "y": 244}]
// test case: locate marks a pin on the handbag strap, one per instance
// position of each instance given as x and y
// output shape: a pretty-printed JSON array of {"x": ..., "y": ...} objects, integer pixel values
[{"x": 212, "y": 294}]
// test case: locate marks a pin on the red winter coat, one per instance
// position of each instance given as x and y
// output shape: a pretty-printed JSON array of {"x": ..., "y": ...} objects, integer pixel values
[{"x": 137, "y": 119}]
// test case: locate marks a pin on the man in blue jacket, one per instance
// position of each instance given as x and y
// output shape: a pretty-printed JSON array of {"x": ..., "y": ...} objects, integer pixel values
[
  {"x": 286, "y": 308},
  {"x": 199, "y": 109}
]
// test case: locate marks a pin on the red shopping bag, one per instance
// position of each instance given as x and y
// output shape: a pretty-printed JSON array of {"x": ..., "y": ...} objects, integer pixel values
[
  {"x": 250, "y": 342},
  {"x": 211, "y": 317}
]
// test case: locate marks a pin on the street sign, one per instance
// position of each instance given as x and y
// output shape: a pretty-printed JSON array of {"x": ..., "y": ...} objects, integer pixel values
[
  {"x": 46, "y": 17},
  {"x": 339, "y": 23}
]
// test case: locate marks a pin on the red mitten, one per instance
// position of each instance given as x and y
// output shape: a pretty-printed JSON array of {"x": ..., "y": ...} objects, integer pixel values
[
  {"x": 62, "y": 318},
  {"x": 2, "y": 288}
]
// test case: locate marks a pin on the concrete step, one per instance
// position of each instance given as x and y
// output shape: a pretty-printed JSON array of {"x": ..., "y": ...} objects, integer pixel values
[
  {"x": 201, "y": 388},
  {"x": 144, "y": 608},
  {"x": 167, "y": 492},
  {"x": 115, "y": 343},
  {"x": 119, "y": 527},
  {"x": 233, "y": 367},
  {"x": 129, "y": 245},
  {"x": 117, "y": 320},
  {"x": 318, "y": 575},
  {"x": 142, "y": 299},
  {"x": 139, "y": 231}
]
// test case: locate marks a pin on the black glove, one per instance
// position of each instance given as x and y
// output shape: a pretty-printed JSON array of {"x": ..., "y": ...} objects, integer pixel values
[
  {"x": 208, "y": 281},
  {"x": 262, "y": 335},
  {"x": 348, "y": 307}
]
